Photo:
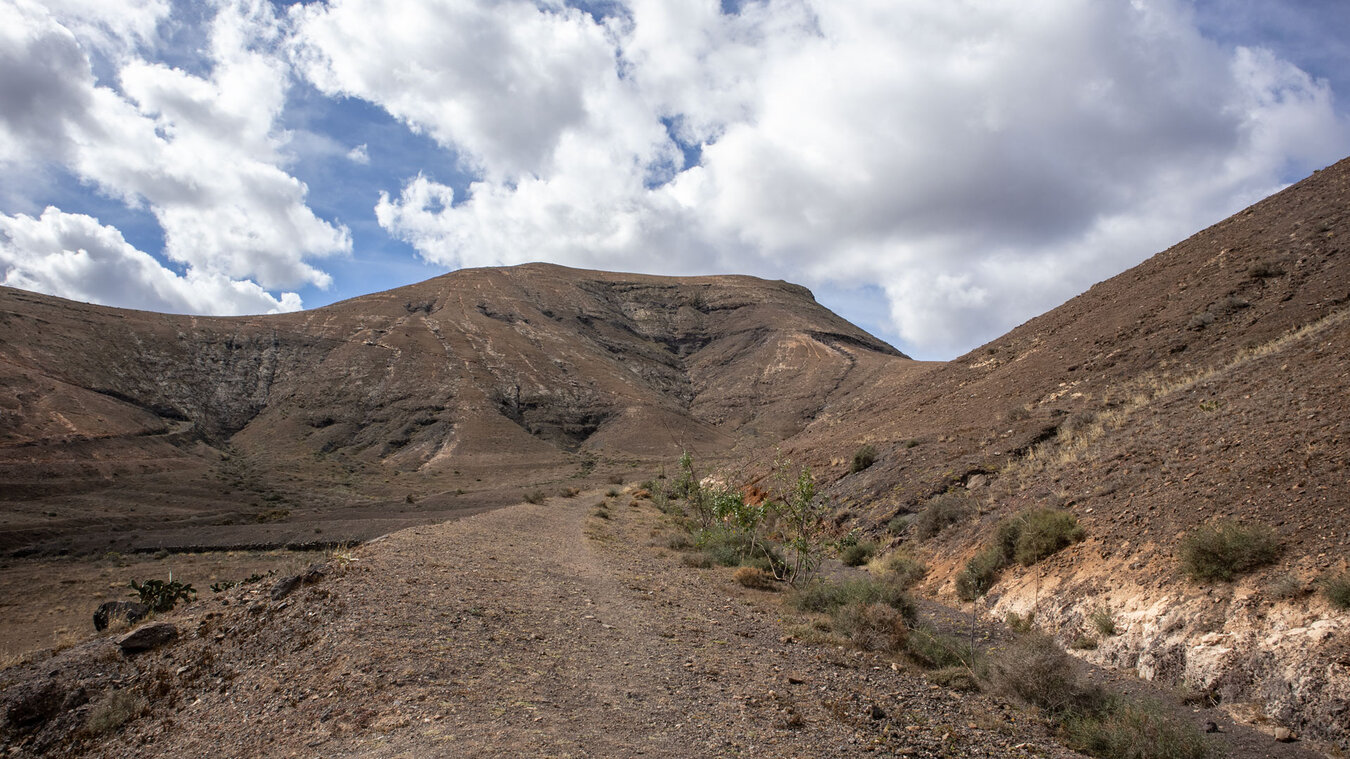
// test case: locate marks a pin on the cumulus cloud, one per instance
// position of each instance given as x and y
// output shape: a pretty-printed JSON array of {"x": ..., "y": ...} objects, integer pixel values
[
  {"x": 73, "y": 256},
  {"x": 978, "y": 161},
  {"x": 202, "y": 153}
]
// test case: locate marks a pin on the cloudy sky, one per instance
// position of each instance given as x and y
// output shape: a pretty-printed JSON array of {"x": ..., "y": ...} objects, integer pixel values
[{"x": 938, "y": 171}]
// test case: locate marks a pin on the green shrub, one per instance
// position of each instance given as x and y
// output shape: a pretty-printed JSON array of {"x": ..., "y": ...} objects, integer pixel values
[
  {"x": 536, "y": 497},
  {"x": 824, "y": 596},
  {"x": 1103, "y": 621},
  {"x": 858, "y": 554},
  {"x": 162, "y": 596},
  {"x": 1134, "y": 730},
  {"x": 1336, "y": 588},
  {"x": 863, "y": 458},
  {"x": 1035, "y": 670},
  {"x": 899, "y": 523},
  {"x": 871, "y": 626},
  {"x": 904, "y": 569},
  {"x": 1225, "y": 549},
  {"x": 1044, "y": 532},
  {"x": 942, "y": 512},
  {"x": 980, "y": 573},
  {"x": 937, "y": 650}
]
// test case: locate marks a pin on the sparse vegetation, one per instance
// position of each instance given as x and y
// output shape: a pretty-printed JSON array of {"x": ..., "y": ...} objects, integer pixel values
[
  {"x": 937, "y": 650},
  {"x": 857, "y": 552},
  {"x": 1084, "y": 643},
  {"x": 863, "y": 458},
  {"x": 824, "y": 597},
  {"x": 1034, "y": 670},
  {"x": 942, "y": 512},
  {"x": 903, "y": 568},
  {"x": 1044, "y": 532},
  {"x": 1336, "y": 589},
  {"x": 570, "y": 492},
  {"x": 114, "y": 710},
  {"x": 535, "y": 497},
  {"x": 871, "y": 626},
  {"x": 754, "y": 577},
  {"x": 1025, "y": 538},
  {"x": 1222, "y": 550},
  {"x": 1134, "y": 730},
  {"x": 898, "y": 524},
  {"x": 1285, "y": 587},
  {"x": 1103, "y": 621},
  {"x": 1265, "y": 270},
  {"x": 162, "y": 596}
]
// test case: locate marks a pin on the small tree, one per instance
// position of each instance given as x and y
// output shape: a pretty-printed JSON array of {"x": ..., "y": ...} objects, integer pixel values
[{"x": 799, "y": 518}]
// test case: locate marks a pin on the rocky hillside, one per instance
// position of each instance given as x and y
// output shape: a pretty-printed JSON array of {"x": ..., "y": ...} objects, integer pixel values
[
  {"x": 1207, "y": 383},
  {"x": 465, "y": 385}
]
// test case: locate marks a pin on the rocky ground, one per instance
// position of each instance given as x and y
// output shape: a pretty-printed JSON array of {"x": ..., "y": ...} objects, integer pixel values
[{"x": 541, "y": 630}]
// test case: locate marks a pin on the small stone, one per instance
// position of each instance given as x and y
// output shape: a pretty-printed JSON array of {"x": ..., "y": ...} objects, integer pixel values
[
  {"x": 147, "y": 637},
  {"x": 877, "y": 712},
  {"x": 1285, "y": 735}
]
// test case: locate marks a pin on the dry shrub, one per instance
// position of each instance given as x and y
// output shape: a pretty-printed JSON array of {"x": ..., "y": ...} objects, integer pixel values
[
  {"x": 871, "y": 626},
  {"x": 942, "y": 512},
  {"x": 114, "y": 710},
  {"x": 1035, "y": 670},
  {"x": 754, "y": 577},
  {"x": 1225, "y": 549}
]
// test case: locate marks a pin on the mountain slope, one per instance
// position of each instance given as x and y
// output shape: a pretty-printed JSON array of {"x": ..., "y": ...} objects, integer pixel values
[
  {"x": 507, "y": 373},
  {"x": 1210, "y": 382}
]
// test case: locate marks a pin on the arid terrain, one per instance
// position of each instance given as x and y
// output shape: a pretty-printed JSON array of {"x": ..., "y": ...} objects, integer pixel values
[{"x": 1208, "y": 383}]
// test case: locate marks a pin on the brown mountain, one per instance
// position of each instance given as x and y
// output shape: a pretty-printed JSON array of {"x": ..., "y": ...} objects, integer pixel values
[{"x": 136, "y": 429}]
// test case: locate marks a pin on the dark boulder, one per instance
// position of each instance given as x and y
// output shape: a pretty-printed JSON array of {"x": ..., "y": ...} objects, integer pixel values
[{"x": 147, "y": 637}]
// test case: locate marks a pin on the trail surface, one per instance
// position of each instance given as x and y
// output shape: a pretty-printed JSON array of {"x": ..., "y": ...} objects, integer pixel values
[{"x": 534, "y": 630}]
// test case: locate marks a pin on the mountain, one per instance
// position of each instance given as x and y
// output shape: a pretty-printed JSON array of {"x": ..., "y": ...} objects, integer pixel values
[{"x": 440, "y": 397}]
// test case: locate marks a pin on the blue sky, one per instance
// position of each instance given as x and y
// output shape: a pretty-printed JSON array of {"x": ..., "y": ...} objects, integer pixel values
[{"x": 936, "y": 171}]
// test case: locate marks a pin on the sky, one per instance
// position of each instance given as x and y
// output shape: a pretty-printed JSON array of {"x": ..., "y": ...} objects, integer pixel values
[{"x": 936, "y": 171}]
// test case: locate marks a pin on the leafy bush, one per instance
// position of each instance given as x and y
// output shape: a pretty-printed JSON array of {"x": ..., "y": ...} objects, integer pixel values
[
  {"x": 1134, "y": 730},
  {"x": 942, "y": 512},
  {"x": 980, "y": 573},
  {"x": 1034, "y": 670},
  {"x": 1336, "y": 588},
  {"x": 871, "y": 626},
  {"x": 1043, "y": 533},
  {"x": 863, "y": 458},
  {"x": 858, "y": 554},
  {"x": 162, "y": 596},
  {"x": 1225, "y": 549},
  {"x": 536, "y": 497}
]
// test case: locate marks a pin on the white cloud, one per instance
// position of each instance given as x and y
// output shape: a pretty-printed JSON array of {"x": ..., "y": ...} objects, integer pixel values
[
  {"x": 73, "y": 256},
  {"x": 359, "y": 155},
  {"x": 203, "y": 153},
  {"x": 978, "y": 161}
]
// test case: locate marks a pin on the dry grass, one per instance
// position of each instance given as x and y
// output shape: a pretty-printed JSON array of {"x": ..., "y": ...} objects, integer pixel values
[{"x": 114, "y": 710}]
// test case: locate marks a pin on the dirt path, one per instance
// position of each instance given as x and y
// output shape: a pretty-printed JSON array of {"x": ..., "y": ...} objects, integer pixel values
[{"x": 534, "y": 630}]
